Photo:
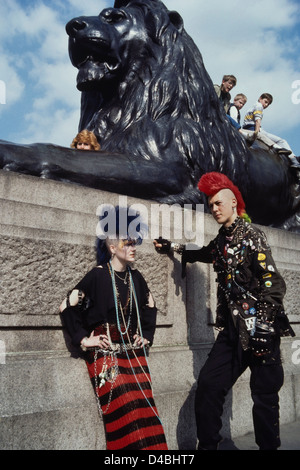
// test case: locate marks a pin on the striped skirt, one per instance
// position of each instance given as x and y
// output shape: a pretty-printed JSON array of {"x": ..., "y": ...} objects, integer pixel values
[{"x": 125, "y": 396}]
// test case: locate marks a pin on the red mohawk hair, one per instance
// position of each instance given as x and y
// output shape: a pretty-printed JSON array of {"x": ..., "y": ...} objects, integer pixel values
[{"x": 211, "y": 183}]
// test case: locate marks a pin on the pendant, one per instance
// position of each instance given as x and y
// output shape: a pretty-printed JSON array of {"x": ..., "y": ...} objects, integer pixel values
[
  {"x": 103, "y": 376},
  {"x": 102, "y": 380}
]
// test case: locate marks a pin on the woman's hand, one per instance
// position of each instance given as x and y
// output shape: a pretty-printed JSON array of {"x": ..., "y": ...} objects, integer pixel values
[
  {"x": 100, "y": 341},
  {"x": 140, "y": 341}
]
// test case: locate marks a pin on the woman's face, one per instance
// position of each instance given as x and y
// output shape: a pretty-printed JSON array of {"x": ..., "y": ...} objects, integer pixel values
[
  {"x": 124, "y": 251},
  {"x": 83, "y": 146}
]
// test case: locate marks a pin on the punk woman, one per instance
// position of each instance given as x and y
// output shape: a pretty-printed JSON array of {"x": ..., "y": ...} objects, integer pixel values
[{"x": 111, "y": 315}]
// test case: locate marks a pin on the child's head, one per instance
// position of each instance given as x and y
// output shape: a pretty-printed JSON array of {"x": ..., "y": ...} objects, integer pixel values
[
  {"x": 228, "y": 82},
  {"x": 265, "y": 99},
  {"x": 85, "y": 140},
  {"x": 240, "y": 100}
]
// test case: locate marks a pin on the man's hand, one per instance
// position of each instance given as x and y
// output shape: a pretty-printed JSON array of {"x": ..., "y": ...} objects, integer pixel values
[{"x": 162, "y": 245}]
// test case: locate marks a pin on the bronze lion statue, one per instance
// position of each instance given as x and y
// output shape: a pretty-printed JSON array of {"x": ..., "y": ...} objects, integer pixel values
[{"x": 149, "y": 100}]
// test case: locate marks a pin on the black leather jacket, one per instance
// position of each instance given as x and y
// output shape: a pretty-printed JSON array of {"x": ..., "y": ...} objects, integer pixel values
[{"x": 249, "y": 284}]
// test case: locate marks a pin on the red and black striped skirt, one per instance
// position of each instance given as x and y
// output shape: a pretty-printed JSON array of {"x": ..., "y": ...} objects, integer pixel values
[{"x": 129, "y": 413}]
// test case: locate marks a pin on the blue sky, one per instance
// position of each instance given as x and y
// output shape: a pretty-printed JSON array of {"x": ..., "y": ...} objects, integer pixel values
[{"x": 257, "y": 41}]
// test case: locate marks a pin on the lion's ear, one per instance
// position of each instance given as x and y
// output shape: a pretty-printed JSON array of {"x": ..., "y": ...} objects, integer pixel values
[{"x": 176, "y": 20}]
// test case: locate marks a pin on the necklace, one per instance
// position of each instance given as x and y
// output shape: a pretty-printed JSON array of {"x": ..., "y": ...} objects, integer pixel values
[
  {"x": 121, "y": 278},
  {"x": 132, "y": 296},
  {"x": 117, "y": 299}
]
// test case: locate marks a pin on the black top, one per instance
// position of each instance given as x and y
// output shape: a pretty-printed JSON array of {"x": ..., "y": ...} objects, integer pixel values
[{"x": 97, "y": 287}]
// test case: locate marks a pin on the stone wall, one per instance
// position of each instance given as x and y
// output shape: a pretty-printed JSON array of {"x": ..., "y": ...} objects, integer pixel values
[{"x": 48, "y": 232}]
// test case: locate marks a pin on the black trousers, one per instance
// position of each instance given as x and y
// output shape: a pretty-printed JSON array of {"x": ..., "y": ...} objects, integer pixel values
[{"x": 225, "y": 363}]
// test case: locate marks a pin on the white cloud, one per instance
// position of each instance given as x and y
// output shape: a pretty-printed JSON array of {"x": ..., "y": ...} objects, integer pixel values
[
  {"x": 90, "y": 7},
  {"x": 35, "y": 56},
  {"x": 30, "y": 20},
  {"x": 59, "y": 128},
  {"x": 55, "y": 81},
  {"x": 215, "y": 16}
]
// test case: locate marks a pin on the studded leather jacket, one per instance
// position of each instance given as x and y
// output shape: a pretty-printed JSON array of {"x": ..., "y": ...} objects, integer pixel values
[{"x": 250, "y": 288}]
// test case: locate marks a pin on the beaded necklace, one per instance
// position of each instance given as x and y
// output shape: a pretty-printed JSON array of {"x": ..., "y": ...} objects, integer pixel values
[
  {"x": 117, "y": 300},
  {"x": 134, "y": 296}
]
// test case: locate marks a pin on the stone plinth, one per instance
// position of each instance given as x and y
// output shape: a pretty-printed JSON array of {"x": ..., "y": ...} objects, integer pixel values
[{"x": 48, "y": 233}]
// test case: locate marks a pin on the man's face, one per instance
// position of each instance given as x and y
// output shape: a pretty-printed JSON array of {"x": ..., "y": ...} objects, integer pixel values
[
  {"x": 223, "y": 207},
  {"x": 227, "y": 86}
]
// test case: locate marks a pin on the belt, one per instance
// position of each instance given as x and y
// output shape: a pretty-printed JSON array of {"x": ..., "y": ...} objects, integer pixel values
[{"x": 118, "y": 348}]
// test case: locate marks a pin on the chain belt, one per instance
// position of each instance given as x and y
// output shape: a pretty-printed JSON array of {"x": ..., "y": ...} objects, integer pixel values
[{"x": 117, "y": 348}]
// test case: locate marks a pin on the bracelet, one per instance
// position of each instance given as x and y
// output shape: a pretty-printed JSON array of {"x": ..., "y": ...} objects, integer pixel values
[
  {"x": 80, "y": 298},
  {"x": 83, "y": 347},
  {"x": 177, "y": 248},
  {"x": 68, "y": 298}
]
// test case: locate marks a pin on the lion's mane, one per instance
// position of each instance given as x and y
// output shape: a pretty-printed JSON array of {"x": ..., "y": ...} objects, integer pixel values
[{"x": 165, "y": 106}]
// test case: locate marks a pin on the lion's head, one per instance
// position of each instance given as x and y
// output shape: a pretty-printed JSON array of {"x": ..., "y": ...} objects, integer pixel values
[
  {"x": 109, "y": 47},
  {"x": 115, "y": 44}
]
